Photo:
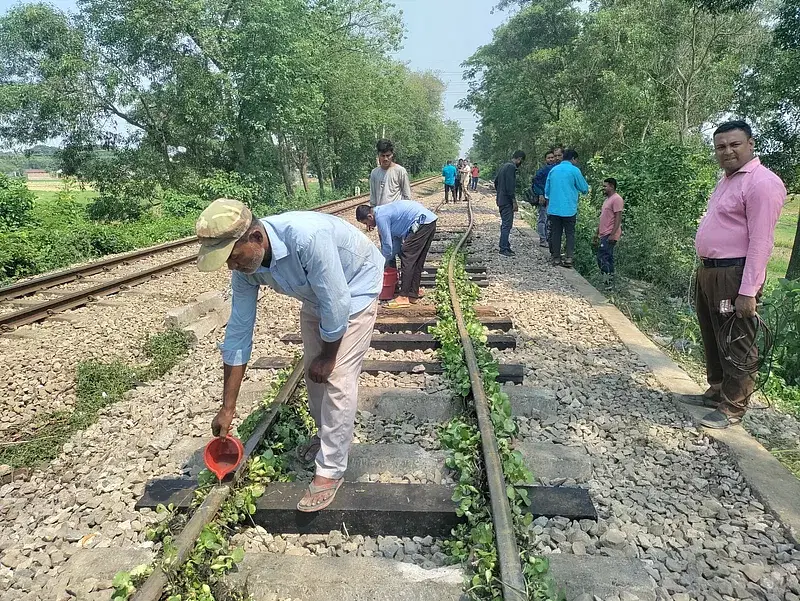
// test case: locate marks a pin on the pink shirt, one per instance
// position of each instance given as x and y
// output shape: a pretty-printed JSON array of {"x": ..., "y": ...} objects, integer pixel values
[
  {"x": 613, "y": 204},
  {"x": 740, "y": 222}
]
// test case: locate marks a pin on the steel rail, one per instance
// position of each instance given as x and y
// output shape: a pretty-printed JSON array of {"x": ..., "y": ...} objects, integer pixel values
[
  {"x": 65, "y": 276},
  {"x": 27, "y": 315},
  {"x": 153, "y": 587},
  {"x": 512, "y": 578}
]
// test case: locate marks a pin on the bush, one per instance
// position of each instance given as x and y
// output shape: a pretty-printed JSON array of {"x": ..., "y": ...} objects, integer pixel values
[
  {"x": 782, "y": 313},
  {"x": 16, "y": 202},
  {"x": 115, "y": 207},
  {"x": 177, "y": 204}
]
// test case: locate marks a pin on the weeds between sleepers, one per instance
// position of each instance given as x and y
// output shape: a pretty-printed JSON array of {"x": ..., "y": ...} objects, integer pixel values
[
  {"x": 473, "y": 543},
  {"x": 200, "y": 578}
]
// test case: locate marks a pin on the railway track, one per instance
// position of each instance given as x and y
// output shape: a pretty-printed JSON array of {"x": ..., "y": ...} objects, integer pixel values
[
  {"x": 17, "y": 308},
  {"x": 364, "y": 507}
]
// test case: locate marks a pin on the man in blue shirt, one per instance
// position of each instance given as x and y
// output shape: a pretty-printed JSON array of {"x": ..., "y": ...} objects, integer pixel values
[
  {"x": 449, "y": 172},
  {"x": 337, "y": 272},
  {"x": 406, "y": 227},
  {"x": 538, "y": 183},
  {"x": 564, "y": 184}
]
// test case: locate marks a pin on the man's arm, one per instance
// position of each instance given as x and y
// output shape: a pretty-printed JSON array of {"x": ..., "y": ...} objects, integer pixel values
[
  {"x": 320, "y": 259},
  {"x": 406, "y": 185},
  {"x": 763, "y": 204},
  {"x": 580, "y": 182},
  {"x": 373, "y": 191},
  {"x": 383, "y": 223},
  {"x": 617, "y": 224},
  {"x": 547, "y": 185},
  {"x": 236, "y": 349}
]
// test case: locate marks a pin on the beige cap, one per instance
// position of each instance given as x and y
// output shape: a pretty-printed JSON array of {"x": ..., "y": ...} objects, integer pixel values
[{"x": 219, "y": 227}]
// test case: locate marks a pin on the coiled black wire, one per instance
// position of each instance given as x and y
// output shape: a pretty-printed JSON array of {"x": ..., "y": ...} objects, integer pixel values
[{"x": 748, "y": 360}]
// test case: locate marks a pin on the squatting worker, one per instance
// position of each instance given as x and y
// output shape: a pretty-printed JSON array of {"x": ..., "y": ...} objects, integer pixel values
[
  {"x": 388, "y": 181},
  {"x": 406, "y": 227},
  {"x": 734, "y": 242},
  {"x": 337, "y": 272},
  {"x": 505, "y": 185}
]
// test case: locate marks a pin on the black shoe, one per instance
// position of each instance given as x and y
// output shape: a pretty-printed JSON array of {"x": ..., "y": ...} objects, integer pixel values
[
  {"x": 556, "y": 261},
  {"x": 719, "y": 421},
  {"x": 508, "y": 253},
  {"x": 567, "y": 263},
  {"x": 543, "y": 244}
]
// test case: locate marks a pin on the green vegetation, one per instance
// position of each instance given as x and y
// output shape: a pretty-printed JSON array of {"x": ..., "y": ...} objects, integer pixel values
[
  {"x": 98, "y": 385},
  {"x": 473, "y": 543},
  {"x": 200, "y": 578}
]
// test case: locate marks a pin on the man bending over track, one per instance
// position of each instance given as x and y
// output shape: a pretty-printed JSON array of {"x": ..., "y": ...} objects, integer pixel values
[
  {"x": 337, "y": 272},
  {"x": 408, "y": 226}
]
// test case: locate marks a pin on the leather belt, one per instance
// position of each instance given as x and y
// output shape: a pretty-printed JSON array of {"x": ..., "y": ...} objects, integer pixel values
[{"x": 711, "y": 263}]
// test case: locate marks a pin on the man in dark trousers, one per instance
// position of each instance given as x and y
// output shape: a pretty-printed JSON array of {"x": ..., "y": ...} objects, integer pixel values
[
  {"x": 537, "y": 185},
  {"x": 505, "y": 184},
  {"x": 408, "y": 227},
  {"x": 734, "y": 242}
]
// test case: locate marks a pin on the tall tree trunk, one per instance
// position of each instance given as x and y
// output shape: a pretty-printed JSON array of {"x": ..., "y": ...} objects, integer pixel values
[
  {"x": 793, "y": 271},
  {"x": 302, "y": 164},
  {"x": 285, "y": 161},
  {"x": 320, "y": 172}
]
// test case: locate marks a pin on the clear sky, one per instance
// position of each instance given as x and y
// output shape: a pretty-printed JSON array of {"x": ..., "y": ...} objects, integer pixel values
[{"x": 440, "y": 35}]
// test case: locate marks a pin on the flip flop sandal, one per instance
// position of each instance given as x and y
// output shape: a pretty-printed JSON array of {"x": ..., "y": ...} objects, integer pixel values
[
  {"x": 313, "y": 490},
  {"x": 396, "y": 305},
  {"x": 719, "y": 420},
  {"x": 308, "y": 452},
  {"x": 700, "y": 400}
]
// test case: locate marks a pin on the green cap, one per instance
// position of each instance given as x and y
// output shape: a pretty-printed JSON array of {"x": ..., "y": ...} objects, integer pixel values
[{"x": 219, "y": 227}]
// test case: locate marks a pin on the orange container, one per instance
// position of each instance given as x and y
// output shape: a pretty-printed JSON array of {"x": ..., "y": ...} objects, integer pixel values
[
  {"x": 223, "y": 455},
  {"x": 389, "y": 283}
]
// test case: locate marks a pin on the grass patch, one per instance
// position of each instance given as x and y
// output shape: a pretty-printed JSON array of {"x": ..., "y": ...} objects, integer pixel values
[
  {"x": 784, "y": 239},
  {"x": 98, "y": 385},
  {"x": 47, "y": 196}
]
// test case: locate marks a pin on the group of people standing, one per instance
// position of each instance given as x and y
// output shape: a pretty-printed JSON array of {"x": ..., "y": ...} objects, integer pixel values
[{"x": 459, "y": 179}]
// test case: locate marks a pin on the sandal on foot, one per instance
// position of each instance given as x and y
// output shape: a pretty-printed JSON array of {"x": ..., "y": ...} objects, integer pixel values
[
  {"x": 307, "y": 452},
  {"x": 700, "y": 400},
  {"x": 306, "y": 505},
  {"x": 393, "y": 304},
  {"x": 719, "y": 420}
]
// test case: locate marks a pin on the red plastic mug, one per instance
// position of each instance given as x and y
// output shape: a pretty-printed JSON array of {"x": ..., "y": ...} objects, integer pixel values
[{"x": 223, "y": 455}]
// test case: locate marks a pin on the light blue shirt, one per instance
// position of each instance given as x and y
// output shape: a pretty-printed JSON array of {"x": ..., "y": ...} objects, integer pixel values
[
  {"x": 394, "y": 223},
  {"x": 319, "y": 259},
  {"x": 565, "y": 183}
]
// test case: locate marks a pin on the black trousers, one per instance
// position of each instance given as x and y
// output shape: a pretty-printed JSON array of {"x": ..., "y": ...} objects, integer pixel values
[
  {"x": 458, "y": 190},
  {"x": 562, "y": 226},
  {"x": 448, "y": 190},
  {"x": 412, "y": 259}
]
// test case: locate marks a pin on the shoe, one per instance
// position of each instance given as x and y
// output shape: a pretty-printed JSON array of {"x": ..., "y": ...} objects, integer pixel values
[
  {"x": 556, "y": 261},
  {"x": 508, "y": 253},
  {"x": 567, "y": 263},
  {"x": 543, "y": 244},
  {"x": 719, "y": 420},
  {"x": 701, "y": 400}
]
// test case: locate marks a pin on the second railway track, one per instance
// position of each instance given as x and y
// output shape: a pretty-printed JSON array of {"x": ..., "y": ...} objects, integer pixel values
[{"x": 18, "y": 307}]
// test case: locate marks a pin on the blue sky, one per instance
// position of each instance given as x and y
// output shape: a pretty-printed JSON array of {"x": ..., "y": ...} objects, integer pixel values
[{"x": 440, "y": 35}]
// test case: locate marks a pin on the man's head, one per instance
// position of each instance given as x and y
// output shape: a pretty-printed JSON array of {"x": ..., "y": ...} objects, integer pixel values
[
  {"x": 609, "y": 186},
  {"x": 571, "y": 156},
  {"x": 518, "y": 158},
  {"x": 365, "y": 215},
  {"x": 558, "y": 154},
  {"x": 460, "y": 163},
  {"x": 734, "y": 145},
  {"x": 549, "y": 157},
  {"x": 385, "y": 150},
  {"x": 449, "y": 161},
  {"x": 229, "y": 235}
]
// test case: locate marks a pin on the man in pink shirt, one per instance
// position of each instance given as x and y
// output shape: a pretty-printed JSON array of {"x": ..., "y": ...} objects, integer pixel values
[
  {"x": 734, "y": 242},
  {"x": 609, "y": 230}
]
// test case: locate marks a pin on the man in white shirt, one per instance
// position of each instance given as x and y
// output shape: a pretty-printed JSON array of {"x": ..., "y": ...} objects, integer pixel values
[{"x": 388, "y": 181}]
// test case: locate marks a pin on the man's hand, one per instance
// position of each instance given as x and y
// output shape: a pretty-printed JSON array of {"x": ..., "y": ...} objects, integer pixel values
[
  {"x": 221, "y": 424},
  {"x": 542, "y": 200},
  {"x": 321, "y": 368},
  {"x": 596, "y": 239},
  {"x": 516, "y": 207},
  {"x": 745, "y": 306}
]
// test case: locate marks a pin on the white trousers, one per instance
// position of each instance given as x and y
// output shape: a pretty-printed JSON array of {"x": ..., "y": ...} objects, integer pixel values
[{"x": 333, "y": 405}]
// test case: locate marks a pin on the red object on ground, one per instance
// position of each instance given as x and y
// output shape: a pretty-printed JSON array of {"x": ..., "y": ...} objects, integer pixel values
[
  {"x": 389, "y": 283},
  {"x": 222, "y": 455}
]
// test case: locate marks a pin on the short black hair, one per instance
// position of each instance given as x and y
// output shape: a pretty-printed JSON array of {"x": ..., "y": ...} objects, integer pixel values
[
  {"x": 449, "y": 161},
  {"x": 611, "y": 181},
  {"x": 549, "y": 152},
  {"x": 362, "y": 212},
  {"x": 384, "y": 145},
  {"x": 732, "y": 125},
  {"x": 570, "y": 154},
  {"x": 519, "y": 154}
]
